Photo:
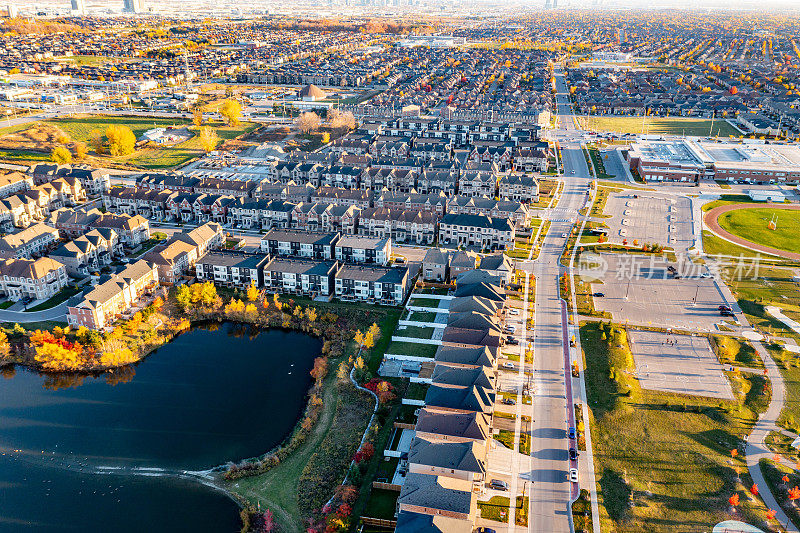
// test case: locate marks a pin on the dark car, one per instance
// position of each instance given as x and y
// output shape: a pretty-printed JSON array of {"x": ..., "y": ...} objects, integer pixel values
[
  {"x": 727, "y": 313},
  {"x": 572, "y": 433},
  {"x": 573, "y": 454},
  {"x": 512, "y": 341},
  {"x": 509, "y": 401},
  {"x": 485, "y": 530},
  {"x": 724, "y": 308},
  {"x": 598, "y": 295}
]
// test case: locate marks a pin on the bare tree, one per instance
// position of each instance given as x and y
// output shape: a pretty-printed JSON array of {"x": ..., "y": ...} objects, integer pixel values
[{"x": 307, "y": 122}]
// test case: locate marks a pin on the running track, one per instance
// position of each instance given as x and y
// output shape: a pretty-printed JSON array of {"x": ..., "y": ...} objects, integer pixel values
[{"x": 712, "y": 224}]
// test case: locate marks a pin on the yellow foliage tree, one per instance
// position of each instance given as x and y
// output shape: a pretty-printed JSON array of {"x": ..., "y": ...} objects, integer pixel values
[{"x": 252, "y": 292}]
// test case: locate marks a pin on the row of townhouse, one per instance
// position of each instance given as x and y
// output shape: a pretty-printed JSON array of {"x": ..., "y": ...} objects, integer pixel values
[
  {"x": 486, "y": 233},
  {"x": 93, "y": 181},
  {"x": 457, "y": 132},
  {"x": 36, "y": 203},
  {"x": 441, "y": 265},
  {"x": 178, "y": 182},
  {"x": 90, "y": 252},
  {"x": 476, "y": 178},
  {"x": 36, "y": 279},
  {"x": 114, "y": 296},
  {"x": 179, "y": 254},
  {"x": 446, "y": 462},
  {"x": 33, "y": 241},
  {"x": 307, "y": 277},
  {"x": 131, "y": 230},
  {"x": 327, "y": 246}
]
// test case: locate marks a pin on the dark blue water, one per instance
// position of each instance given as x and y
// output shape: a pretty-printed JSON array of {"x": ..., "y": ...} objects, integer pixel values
[{"x": 107, "y": 453}]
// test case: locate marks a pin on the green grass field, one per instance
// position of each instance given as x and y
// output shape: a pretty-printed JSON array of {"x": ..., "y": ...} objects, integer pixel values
[
  {"x": 751, "y": 224},
  {"x": 658, "y": 125},
  {"x": 80, "y": 127},
  {"x": 670, "y": 468}
]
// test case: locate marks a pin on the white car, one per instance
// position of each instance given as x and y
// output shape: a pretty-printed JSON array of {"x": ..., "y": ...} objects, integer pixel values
[
  {"x": 563, "y": 235},
  {"x": 511, "y": 329},
  {"x": 513, "y": 312},
  {"x": 508, "y": 365},
  {"x": 573, "y": 475}
]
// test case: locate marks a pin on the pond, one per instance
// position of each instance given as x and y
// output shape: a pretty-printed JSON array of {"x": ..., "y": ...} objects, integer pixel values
[{"x": 114, "y": 452}]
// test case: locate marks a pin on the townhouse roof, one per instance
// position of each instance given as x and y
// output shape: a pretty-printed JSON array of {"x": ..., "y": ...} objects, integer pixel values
[
  {"x": 362, "y": 242},
  {"x": 29, "y": 268},
  {"x": 300, "y": 266},
  {"x": 471, "y": 425},
  {"x": 437, "y": 492},
  {"x": 373, "y": 273},
  {"x": 466, "y": 355},
  {"x": 303, "y": 237},
  {"x": 464, "y": 456},
  {"x": 233, "y": 258},
  {"x": 478, "y": 221}
]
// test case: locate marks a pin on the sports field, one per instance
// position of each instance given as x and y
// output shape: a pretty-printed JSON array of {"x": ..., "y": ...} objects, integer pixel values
[
  {"x": 752, "y": 225},
  {"x": 658, "y": 125}
]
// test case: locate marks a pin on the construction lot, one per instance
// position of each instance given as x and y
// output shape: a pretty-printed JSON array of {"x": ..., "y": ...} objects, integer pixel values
[
  {"x": 650, "y": 218},
  {"x": 679, "y": 364}
]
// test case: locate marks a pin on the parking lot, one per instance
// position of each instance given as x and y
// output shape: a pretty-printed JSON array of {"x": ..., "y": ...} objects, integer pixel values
[
  {"x": 639, "y": 293},
  {"x": 650, "y": 218},
  {"x": 679, "y": 364}
]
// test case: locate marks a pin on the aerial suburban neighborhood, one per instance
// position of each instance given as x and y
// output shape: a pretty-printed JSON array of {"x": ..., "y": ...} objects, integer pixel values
[{"x": 410, "y": 266}]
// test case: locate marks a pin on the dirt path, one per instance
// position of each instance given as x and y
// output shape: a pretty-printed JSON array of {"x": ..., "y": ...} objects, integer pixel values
[{"x": 712, "y": 224}]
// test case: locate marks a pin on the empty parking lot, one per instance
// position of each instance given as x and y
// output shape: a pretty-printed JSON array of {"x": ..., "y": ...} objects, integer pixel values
[
  {"x": 637, "y": 292},
  {"x": 650, "y": 217},
  {"x": 679, "y": 364}
]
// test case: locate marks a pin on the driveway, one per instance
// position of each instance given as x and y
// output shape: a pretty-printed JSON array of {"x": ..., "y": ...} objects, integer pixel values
[{"x": 57, "y": 313}]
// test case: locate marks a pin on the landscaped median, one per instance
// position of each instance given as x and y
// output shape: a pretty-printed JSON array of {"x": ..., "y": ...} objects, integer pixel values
[{"x": 663, "y": 461}]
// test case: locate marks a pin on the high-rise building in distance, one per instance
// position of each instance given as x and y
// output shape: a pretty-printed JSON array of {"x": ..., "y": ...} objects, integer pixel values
[
  {"x": 79, "y": 7},
  {"x": 133, "y": 6}
]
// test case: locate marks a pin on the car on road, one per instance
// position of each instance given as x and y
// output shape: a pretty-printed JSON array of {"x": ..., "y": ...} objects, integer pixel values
[
  {"x": 513, "y": 312},
  {"x": 563, "y": 235},
  {"x": 512, "y": 341},
  {"x": 598, "y": 295},
  {"x": 727, "y": 313},
  {"x": 508, "y": 365},
  {"x": 724, "y": 308},
  {"x": 484, "y": 530},
  {"x": 573, "y": 475},
  {"x": 508, "y": 401},
  {"x": 571, "y": 433},
  {"x": 498, "y": 484},
  {"x": 510, "y": 329},
  {"x": 573, "y": 454}
]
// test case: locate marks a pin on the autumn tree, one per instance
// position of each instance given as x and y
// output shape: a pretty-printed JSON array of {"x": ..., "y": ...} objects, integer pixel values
[
  {"x": 96, "y": 140},
  {"x": 208, "y": 138},
  {"x": 197, "y": 117},
  {"x": 252, "y": 293},
  {"x": 341, "y": 120},
  {"x": 80, "y": 150},
  {"x": 121, "y": 140},
  {"x": 231, "y": 111},
  {"x": 307, "y": 122},
  {"x": 60, "y": 155},
  {"x": 794, "y": 493}
]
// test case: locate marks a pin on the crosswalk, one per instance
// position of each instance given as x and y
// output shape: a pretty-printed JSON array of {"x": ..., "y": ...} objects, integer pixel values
[{"x": 560, "y": 214}]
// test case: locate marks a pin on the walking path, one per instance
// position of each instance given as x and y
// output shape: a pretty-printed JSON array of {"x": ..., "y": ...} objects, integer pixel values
[
  {"x": 713, "y": 225},
  {"x": 756, "y": 449}
]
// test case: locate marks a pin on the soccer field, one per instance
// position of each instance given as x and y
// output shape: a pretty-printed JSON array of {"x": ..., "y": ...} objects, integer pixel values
[{"x": 658, "y": 125}]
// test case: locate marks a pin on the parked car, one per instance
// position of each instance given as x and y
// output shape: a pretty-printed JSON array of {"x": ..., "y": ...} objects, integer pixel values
[
  {"x": 724, "y": 308},
  {"x": 513, "y": 312},
  {"x": 512, "y": 341},
  {"x": 598, "y": 295},
  {"x": 484, "y": 530},
  {"x": 509, "y": 401},
  {"x": 498, "y": 484},
  {"x": 563, "y": 235},
  {"x": 508, "y": 365},
  {"x": 573, "y": 475},
  {"x": 573, "y": 454},
  {"x": 727, "y": 313},
  {"x": 571, "y": 433},
  {"x": 511, "y": 329}
]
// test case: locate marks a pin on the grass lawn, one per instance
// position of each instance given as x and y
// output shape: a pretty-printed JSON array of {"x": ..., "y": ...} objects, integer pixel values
[
  {"x": 582, "y": 512},
  {"x": 24, "y": 155},
  {"x": 723, "y": 184},
  {"x": 773, "y": 474},
  {"x": 6, "y": 304},
  {"x": 599, "y": 165},
  {"x": 732, "y": 351},
  {"x": 772, "y": 286},
  {"x": 659, "y": 125},
  {"x": 79, "y": 127},
  {"x": 415, "y": 332},
  {"x": 600, "y": 199},
  {"x": 382, "y": 504},
  {"x": 670, "y": 468},
  {"x": 751, "y": 224},
  {"x": 417, "y": 391},
  {"x": 422, "y": 316},
  {"x": 727, "y": 199},
  {"x": 412, "y": 348},
  {"x": 497, "y": 509},
  {"x": 714, "y": 246},
  {"x": 62, "y": 296},
  {"x": 790, "y": 370},
  {"x": 423, "y": 302}
]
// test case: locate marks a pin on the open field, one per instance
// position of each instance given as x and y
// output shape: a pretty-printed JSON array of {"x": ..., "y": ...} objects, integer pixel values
[
  {"x": 751, "y": 224},
  {"x": 670, "y": 469},
  {"x": 33, "y": 142},
  {"x": 756, "y": 290},
  {"x": 658, "y": 125}
]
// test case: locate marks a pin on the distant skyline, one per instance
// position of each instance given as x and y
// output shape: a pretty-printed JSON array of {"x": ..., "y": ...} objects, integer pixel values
[{"x": 246, "y": 5}]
